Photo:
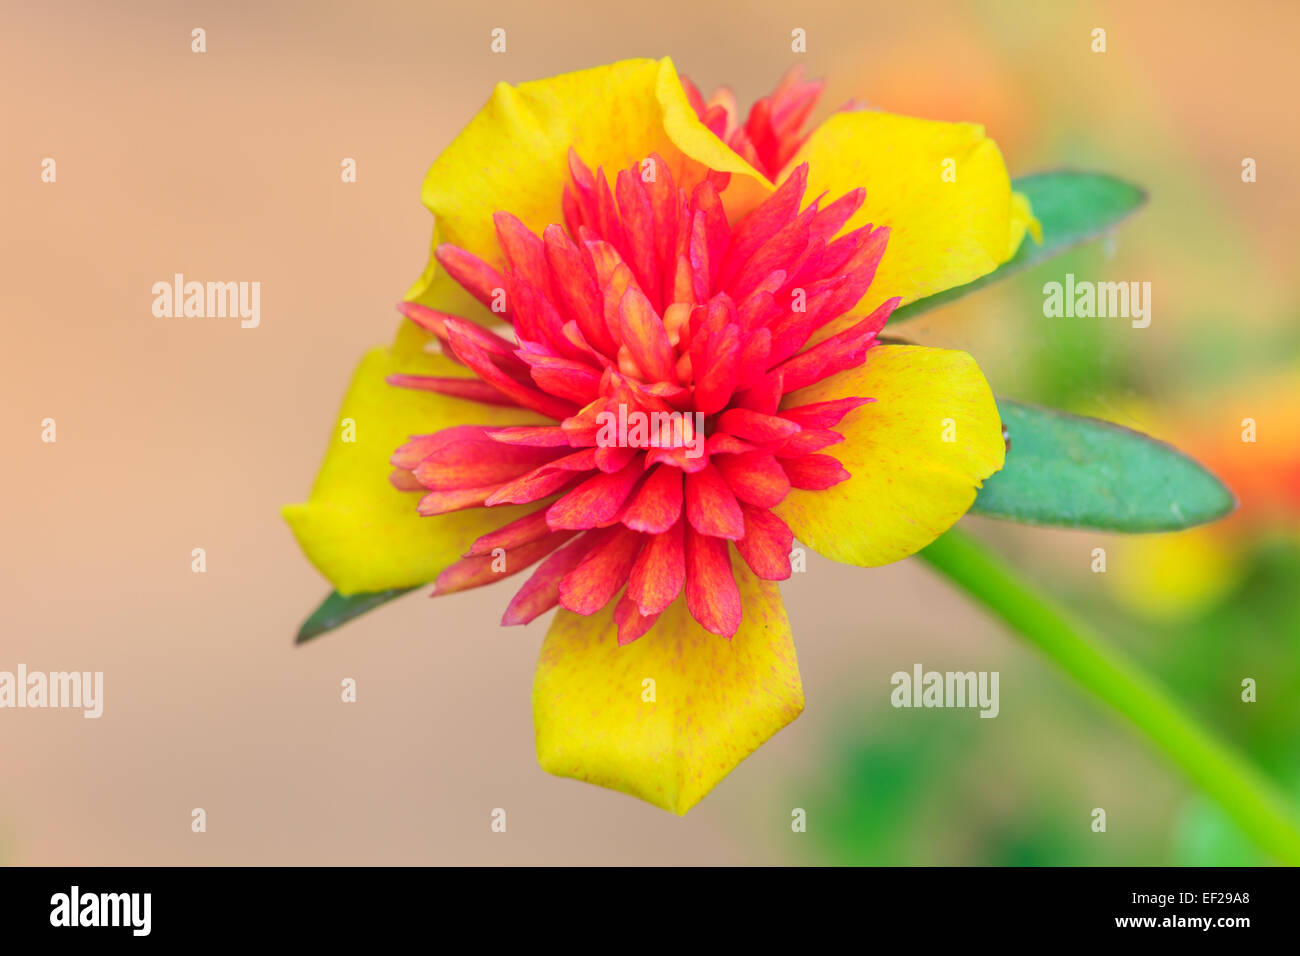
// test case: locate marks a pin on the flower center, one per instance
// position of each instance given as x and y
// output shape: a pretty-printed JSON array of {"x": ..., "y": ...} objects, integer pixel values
[{"x": 662, "y": 342}]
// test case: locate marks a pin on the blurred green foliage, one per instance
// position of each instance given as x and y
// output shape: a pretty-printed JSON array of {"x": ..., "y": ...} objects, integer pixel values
[{"x": 928, "y": 787}]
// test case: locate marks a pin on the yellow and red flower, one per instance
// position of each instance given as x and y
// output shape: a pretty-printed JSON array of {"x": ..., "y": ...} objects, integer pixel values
[{"x": 731, "y": 274}]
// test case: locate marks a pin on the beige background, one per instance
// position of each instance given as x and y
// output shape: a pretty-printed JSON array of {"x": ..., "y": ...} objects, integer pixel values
[{"x": 176, "y": 434}]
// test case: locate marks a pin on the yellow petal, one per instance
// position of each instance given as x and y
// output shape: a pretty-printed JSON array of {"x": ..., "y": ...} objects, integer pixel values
[
  {"x": 513, "y": 156},
  {"x": 714, "y": 701},
  {"x": 1022, "y": 221},
  {"x": 909, "y": 484},
  {"x": 356, "y": 528},
  {"x": 942, "y": 233}
]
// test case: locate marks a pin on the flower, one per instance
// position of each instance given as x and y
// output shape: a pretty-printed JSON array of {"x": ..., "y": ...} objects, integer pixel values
[{"x": 732, "y": 275}]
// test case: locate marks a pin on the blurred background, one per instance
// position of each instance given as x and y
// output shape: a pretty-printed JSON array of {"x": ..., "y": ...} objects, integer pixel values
[{"x": 186, "y": 434}]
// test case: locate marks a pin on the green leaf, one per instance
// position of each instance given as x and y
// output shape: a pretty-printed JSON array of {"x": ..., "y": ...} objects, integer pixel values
[
  {"x": 336, "y": 610},
  {"x": 1072, "y": 207},
  {"x": 1075, "y": 472}
]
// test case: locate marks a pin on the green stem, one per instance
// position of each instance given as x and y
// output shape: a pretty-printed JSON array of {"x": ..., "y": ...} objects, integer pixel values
[{"x": 1252, "y": 801}]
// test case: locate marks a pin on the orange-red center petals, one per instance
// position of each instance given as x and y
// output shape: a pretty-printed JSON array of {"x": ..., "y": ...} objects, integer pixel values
[
  {"x": 661, "y": 340},
  {"x": 770, "y": 135}
]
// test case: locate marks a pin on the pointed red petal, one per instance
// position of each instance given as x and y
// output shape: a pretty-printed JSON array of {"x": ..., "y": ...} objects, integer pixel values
[
  {"x": 578, "y": 288},
  {"x": 658, "y": 503},
  {"x": 631, "y": 622},
  {"x": 471, "y": 389},
  {"x": 478, "y": 570},
  {"x": 469, "y": 352},
  {"x": 763, "y": 223},
  {"x": 814, "y": 472},
  {"x": 442, "y": 502},
  {"x": 528, "y": 528},
  {"x": 590, "y": 586},
  {"x": 541, "y": 592},
  {"x": 472, "y": 463},
  {"x": 476, "y": 276},
  {"x": 755, "y": 426},
  {"x": 766, "y": 544},
  {"x": 712, "y": 596},
  {"x": 823, "y": 414},
  {"x": 711, "y": 507},
  {"x": 547, "y": 436},
  {"x": 659, "y": 573},
  {"x": 755, "y": 477},
  {"x": 546, "y": 480},
  {"x": 643, "y": 333},
  {"x": 714, "y": 364},
  {"x": 595, "y": 501}
]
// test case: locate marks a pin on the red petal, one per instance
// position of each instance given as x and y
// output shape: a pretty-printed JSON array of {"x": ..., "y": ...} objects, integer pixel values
[
  {"x": 612, "y": 458},
  {"x": 578, "y": 289},
  {"x": 753, "y": 361},
  {"x": 584, "y": 185},
  {"x": 711, "y": 593},
  {"x": 479, "y": 461},
  {"x": 755, "y": 426},
  {"x": 711, "y": 507},
  {"x": 528, "y": 528},
  {"x": 832, "y": 219},
  {"x": 822, "y": 361},
  {"x": 525, "y": 252},
  {"x": 823, "y": 414},
  {"x": 426, "y": 318},
  {"x": 549, "y": 436},
  {"x": 808, "y": 441},
  {"x": 861, "y": 269},
  {"x": 441, "y": 502},
  {"x": 659, "y": 573},
  {"x": 638, "y": 223},
  {"x": 766, "y": 544},
  {"x": 664, "y": 201},
  {"x": 478, "y": 278},
  {"x": 541, "y": 592},
  {"x": 420, "y": 447},
  {"x": 546, "y": 480},
  {"x": 765, "y": 396},
  {"x": 708, "y": 204},
  {"x": 720, "y": 443},
  {"x": 631, "y": 622},
  {"x": 814, "y": 472},
  {"x": 595, "y": 501},
  {"x": 755, "y": 477},
  {"x": 468, "y": 350},
  {"x": 714, "y": 361},
  {"x": 763, "y": 223},
  {"x": 644, "y": 336},
  {"x": 478, "y": 570},
  {"x": 591, "y": 585},
  {"x": 611, "y": 228},
  {"x": 782, "y": 252},
  {"x": 658, "y": 503},
  {"x": 538, "y": 324},
  {"x": 471, "y": 389},
  {"x": 563, "y": 377},
  {"x": 403, "y": 480}
]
